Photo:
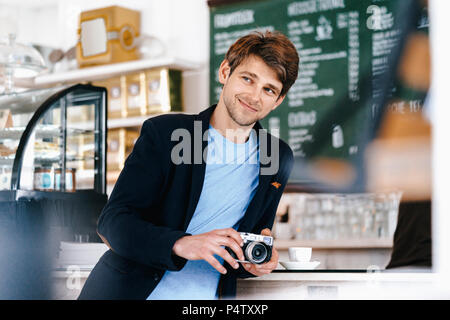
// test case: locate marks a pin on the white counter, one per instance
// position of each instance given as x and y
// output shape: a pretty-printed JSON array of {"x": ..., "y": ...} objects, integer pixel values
[
  {"x": 76, "y": 261},
  {"x": 340, "y": 284},
  {"x": 345, "y": 276},
  {"x": 319, "y": 284}
]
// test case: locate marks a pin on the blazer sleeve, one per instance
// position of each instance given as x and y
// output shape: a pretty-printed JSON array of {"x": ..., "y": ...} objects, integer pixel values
[
  {"x": 138, "y": 189},
  {"x": 268, "y": 216}
]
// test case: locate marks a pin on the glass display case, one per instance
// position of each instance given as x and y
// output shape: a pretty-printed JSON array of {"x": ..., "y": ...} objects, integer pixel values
[{"x": 44, "y": 133}]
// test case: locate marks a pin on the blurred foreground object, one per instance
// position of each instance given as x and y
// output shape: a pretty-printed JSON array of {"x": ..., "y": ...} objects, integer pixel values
[
  {"x": 25, "y": 260},
  {"x": 400, "y": 157}
]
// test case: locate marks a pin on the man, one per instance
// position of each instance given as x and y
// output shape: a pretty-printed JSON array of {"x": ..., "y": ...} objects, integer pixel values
[{"x": 174, "y": 209}]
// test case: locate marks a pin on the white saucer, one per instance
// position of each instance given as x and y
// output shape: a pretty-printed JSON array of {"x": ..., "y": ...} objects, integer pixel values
[{"x": 300, "y": 265}]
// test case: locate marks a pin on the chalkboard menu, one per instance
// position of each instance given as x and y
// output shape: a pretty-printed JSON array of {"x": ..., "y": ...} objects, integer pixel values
[{"x": 345, "y": 48}]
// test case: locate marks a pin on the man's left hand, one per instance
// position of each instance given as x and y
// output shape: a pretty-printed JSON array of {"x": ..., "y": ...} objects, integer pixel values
[{"x": 265, "y": 268}]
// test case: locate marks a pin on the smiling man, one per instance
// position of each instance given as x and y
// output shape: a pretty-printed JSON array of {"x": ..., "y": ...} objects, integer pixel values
[{"x": 168, "y": 223}]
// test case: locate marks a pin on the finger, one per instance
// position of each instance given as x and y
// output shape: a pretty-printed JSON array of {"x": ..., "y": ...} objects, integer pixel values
[
  {"x": 227, "y": 242},
  {"x": 230, "y": 232},
  {"x": 215, "y": 264},
  {"x": 249, "y": 267},
  {"x": 236, "y": 236},
  {"x": 227, "y": 257},
  {"x": 272, "y": 263},
  {"x": 266, "y": 232},
  {"x": 254, "y": 270},
  {"x": 274, "y": 255},
  {"x": 262, "y": 272},
  {"x": 266, "y": 268}
]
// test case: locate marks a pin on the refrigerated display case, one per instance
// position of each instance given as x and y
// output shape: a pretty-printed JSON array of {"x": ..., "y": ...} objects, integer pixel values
[{"x": 43, "y": 133}]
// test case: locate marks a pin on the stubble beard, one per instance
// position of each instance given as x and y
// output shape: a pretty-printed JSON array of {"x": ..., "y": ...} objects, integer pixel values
[{"x": 232, "y": 109}]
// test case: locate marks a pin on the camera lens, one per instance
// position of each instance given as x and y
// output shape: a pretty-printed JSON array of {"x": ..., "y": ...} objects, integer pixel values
[{"x": 256, "y": 252}]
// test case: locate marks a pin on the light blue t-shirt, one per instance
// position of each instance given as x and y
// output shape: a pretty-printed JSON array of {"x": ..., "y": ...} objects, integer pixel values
[{"x": 231, "y": 179}]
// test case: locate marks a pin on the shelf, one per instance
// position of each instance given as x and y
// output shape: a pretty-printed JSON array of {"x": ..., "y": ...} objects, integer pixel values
[
  {"x": 112, "y": 176},
  {"x": 376, "y": 243},
  {"x": 115, "y": 123},
  {"x": 42, "y": 160},
  {"x": 133, "y": 121},
  {"x": 7, "y": 160},
  {"x": 27, "y": 101},
  {"x": 107, "y": 71},
  {"x": 42, "y": 131}
]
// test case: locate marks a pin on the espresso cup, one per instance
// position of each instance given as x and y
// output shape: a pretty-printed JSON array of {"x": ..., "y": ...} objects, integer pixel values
[{"x": 301, "y": 254}]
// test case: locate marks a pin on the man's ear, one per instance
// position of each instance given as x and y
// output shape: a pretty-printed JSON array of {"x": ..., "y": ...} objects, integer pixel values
[
  {"x": 278, "y": 102},
  {"x": 224, "y": 71}
]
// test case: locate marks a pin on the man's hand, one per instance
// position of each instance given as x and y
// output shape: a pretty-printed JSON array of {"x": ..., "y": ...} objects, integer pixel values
[
  {"x": 265, "y": 268},
  {"x": 204, "y": 246}
]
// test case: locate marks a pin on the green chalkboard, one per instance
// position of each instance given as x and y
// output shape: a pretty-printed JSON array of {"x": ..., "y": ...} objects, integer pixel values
[{"x": 345, "y": 49}]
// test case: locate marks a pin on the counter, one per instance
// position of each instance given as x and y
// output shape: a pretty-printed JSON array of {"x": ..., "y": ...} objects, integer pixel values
[
  {"x": 301, "y": 285},
  {"x": 341, "y": 284},
  {"x": 76, "y": 261}
]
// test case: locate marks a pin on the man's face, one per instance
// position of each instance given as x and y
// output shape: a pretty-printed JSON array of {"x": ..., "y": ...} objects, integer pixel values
[{"x": 251, "y": 91}]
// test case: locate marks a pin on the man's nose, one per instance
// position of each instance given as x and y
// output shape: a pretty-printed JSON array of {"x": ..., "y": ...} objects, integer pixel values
[{"x": 255, "y": 95}]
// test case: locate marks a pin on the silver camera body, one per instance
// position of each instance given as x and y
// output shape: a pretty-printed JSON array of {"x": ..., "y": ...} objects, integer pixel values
[{"x": 257, "y": 248}]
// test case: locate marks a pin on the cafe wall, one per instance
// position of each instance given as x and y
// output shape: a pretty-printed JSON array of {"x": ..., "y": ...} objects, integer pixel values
[
  {"x": 181, "y": 25},
  {"x": 184, "y": 28}
]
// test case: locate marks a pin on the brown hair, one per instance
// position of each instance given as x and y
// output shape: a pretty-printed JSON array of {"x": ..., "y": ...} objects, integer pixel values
[{"x": 274, "y": 48}]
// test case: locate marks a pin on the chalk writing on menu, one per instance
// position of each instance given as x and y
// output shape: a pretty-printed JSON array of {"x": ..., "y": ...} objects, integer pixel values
[{"x": 344, "y": 48}]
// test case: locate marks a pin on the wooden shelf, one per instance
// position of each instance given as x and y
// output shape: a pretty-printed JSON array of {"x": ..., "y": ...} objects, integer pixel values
[
  {"x": 127, "y": 122},
  {"x": 112, "y": 176},
  {"x": 376, "y": 243},
  {"x": 107, "y": 71},
  {"x": 132, "y": 121}
]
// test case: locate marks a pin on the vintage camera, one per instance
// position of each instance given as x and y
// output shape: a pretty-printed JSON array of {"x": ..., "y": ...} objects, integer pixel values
[{"x": 257, "y": 248}]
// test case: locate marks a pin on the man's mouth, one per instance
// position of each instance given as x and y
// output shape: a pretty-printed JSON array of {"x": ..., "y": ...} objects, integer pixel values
[{"x": 245, "y": 105}]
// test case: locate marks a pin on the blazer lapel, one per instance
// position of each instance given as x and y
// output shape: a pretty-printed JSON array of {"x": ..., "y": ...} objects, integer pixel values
[
  {"x": 251, "y": 215},
  {"x": 201, "y": 124}
]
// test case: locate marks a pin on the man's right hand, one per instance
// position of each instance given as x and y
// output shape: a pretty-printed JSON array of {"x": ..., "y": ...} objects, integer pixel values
[{"x": 205, "y": 245}]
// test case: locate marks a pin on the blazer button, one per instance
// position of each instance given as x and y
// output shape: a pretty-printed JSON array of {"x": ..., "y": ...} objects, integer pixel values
[{"x": 156, "y": 277}]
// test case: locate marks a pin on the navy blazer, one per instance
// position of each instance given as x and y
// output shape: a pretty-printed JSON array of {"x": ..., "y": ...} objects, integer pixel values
[{"x": 152, "y": 204}]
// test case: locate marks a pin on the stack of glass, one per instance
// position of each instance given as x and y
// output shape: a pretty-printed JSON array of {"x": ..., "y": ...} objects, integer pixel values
[{"x": 344, "y": 216}]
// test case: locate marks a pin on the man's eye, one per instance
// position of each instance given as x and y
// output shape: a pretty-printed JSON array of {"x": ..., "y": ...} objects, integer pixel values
[
  {"x": 270, "y": 91},
  {"x": 246, "y": 79}
]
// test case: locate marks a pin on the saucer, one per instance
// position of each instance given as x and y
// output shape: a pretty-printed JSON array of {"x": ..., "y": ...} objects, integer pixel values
[{"x": 300, "y": 265}]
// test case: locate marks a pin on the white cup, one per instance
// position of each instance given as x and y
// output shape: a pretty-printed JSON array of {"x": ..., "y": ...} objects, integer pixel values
[{"x": 302, "y": 254}]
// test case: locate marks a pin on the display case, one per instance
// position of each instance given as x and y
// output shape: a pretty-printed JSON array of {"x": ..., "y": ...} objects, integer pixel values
[{"x": 42, "y": 134}]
